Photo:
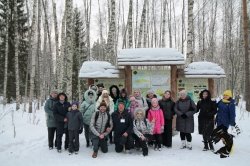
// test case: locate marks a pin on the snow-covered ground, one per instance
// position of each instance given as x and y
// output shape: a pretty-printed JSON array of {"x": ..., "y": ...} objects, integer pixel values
[{"x": 29, "y": 147}]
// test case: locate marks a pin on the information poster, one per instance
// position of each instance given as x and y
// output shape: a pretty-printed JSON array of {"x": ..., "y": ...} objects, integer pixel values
[
  {"x": 157, "y": 80},
  {"x": 192, "y": 86}
]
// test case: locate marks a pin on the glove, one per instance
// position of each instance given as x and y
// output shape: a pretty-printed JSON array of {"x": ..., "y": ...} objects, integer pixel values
[
  {"x": 80, "y": 130},
  {"x": 184, "y": 116},
  {"x": 162, "y": 129}
]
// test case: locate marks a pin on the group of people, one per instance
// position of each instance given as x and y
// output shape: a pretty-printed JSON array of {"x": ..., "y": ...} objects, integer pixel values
[{"x": 135, "y": 122}]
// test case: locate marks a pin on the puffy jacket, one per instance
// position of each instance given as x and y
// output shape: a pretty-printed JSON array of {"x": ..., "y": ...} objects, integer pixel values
[
  {"x": 226, "y": 113},
  {"x": 88, "y": 107},
  {"x": 75, "y": 121},
  {"x": 99, "y": 126},
  {"x": 156, "y": 114},
  {"x": 49, "y": 105}
]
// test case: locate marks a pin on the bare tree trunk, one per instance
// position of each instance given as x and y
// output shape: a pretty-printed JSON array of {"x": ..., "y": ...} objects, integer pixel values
[
  {"x": 69, "y": 46},
  {"x": 6, "y": 53},
  {"x": 163, "y": 37},
  {"x": 247, "y": 81},
  {"x": 16, "y": 56},
  {"x": 58, "y": 62},
  {"x": 33, "y": 57},
  {"x": 190, "y": 54},
  {"x": 52, "y": 76},
  {"x": 143, "y": 16},
  {"x": 130, "y": 24},
  {"x": 87, "y": 14},
  {"x": 183, "y": 26},
  {"x": 170, "y": 24}
]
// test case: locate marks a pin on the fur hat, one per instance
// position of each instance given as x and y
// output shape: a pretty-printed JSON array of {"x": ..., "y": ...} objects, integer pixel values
[
  {"x": 105, "y": 91},
  {"x": 228, "y": 93},
  {"x": 150, "y": 91},
  {"x": 103, "y": 103}
]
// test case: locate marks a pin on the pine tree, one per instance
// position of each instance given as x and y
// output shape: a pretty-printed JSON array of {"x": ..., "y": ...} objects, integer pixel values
[{"x": 22, "y": 46}]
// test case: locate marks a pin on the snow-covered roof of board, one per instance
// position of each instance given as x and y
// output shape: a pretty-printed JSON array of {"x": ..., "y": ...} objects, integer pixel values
[
  {"x": 150, "y": 56},
  {"x": 98, "y": 69},
  {"x": 204, "y": 70}
]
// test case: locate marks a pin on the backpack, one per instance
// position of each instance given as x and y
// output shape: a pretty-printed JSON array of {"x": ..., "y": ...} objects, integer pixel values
[{"x": 107, "y": 124}]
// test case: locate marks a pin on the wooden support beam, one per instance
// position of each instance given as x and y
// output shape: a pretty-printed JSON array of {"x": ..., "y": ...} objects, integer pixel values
[
  {"x": 128, "y": 79},
  {"x": 211, "y": 86},
  {"x": 174, "y": 81}
]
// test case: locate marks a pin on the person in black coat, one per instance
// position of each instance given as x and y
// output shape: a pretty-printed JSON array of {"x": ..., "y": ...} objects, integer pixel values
[
  {"x": 167, "y": 105},
  {"x": 114, "y": 93},
  {"x": 207, "y": 109},
  {"x": 60, "y": 111},
  {"x": 123, "y": 127}
]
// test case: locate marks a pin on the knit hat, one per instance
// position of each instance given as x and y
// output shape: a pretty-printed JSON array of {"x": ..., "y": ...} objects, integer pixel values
[
  {"x": 75, "y": 103},
  {"x": 102, "y": 104},
  {"x": 228, "y": 93},
  {"x": 150, "y": 91}
]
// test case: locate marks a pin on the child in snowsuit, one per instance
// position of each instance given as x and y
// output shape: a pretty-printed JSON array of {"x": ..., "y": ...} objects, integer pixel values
[{"x": 75, "y": 127}]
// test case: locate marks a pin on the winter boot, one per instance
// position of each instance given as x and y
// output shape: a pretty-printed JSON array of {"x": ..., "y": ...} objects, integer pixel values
[
  {"x": 183, "y": 144},
  {"x": 211, "y": 146},
  {"x": 205, "y": 146},
  {"x": 87, "y": 144},
  {"x": 189, "y": 145},
  {"x": 94, "y": 155},
  {"x": 145, "y": 151}
]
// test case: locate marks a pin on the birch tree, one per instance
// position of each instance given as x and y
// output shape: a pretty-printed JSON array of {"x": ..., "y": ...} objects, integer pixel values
[
  {"x": 33, "y": 55},
  {"x": 190, "y": 32},
  {"x": 6, "y": 53}
]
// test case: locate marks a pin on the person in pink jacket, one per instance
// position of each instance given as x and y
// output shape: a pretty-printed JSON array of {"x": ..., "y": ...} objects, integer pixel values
[{"x": 155, "y": 115}]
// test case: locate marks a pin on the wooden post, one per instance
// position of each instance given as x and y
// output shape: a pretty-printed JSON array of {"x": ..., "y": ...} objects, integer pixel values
[
  {"x": 128, "y": 79},
  {"x": 211, "y": 86},
  {"x": 174, "y": 81},
  {"x": 90, "y": 81}
]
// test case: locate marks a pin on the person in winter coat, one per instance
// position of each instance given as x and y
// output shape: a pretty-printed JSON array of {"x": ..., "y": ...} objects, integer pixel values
[
  {"x": 108, "y": 100},
  {"x": 207, "y": 109},
  {"x": 50, "y": 120},
  {"x": 155, "y": 115},
  {"x": 123, "y": 127},
  {"x": 185, "y": 109},
  {"x": 60, "y": 111},
  {"x": 75, "y": 127},
  {"x": 114, "y": 93},
  {"x": 143, "y": 130},
  {"x": 87, "y": 108},
  {"x": 124, "y": 98},
  {"x": 100, "y": 87},
  {"x": 101, "y": 125},
  {"x": 132, "y": 106},
  {"x": 226, "y": 110},
  {"x": 140, "y": 100},
  {"x": 167, "y": 106},
  {"x": 110, "y": 107},
  {"x": 150, "y": 95}
]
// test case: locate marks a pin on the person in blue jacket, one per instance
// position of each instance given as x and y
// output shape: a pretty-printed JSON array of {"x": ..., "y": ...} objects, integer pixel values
[
  {"x": 226, "y": 110},
  {"x": 225, "y": 118}
]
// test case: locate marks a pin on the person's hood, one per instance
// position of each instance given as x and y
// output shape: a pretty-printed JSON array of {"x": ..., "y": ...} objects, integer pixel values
[
  {"x": 208, "y": 97},
  {"x": 111, "y": 93},
  {"x": 66, "y": 98},
  {"x": 139, "y": 110},
  {"x": 86, "y": 97}
]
